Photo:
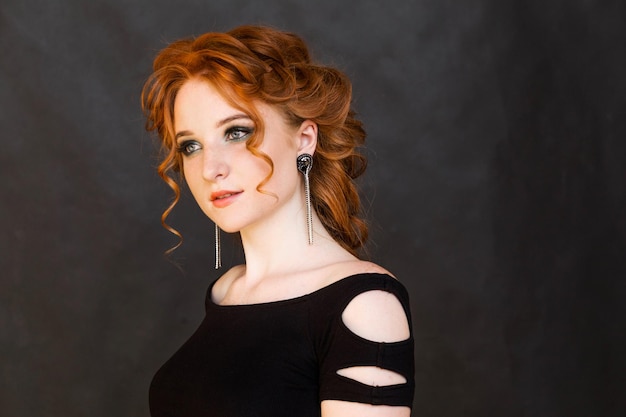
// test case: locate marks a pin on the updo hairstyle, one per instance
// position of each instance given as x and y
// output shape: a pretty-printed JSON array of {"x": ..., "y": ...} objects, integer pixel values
[{"x": 251, "y": 64}]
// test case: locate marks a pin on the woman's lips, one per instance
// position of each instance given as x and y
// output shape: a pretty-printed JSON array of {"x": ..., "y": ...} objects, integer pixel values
[{"x": 222, "y": 199}]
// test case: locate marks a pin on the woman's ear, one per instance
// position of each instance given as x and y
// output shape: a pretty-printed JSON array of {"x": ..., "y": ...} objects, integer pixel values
[{"x": 307, "y": 137}]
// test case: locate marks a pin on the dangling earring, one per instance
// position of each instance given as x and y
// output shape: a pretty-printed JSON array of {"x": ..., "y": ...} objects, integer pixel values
[
  {"x": 218, "y": 248},
  {"x": 305, "y": 162}
]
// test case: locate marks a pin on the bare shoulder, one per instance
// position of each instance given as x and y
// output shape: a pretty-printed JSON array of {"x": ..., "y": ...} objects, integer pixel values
[
  {"x": 222, "y": 285},
  {"x": 376, "y": 314}
]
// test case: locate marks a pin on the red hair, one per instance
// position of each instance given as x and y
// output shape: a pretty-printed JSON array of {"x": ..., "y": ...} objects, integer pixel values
[{"x": 256, "y": 63}]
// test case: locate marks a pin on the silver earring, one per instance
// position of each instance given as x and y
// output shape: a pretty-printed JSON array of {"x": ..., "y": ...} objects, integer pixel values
[
  {"x": 218, "y": 248},
  {"x": 305, "y": 162}
]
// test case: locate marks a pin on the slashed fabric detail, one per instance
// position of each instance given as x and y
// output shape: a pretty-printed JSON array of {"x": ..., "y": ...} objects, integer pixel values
[{"x": 281, "y": 358}]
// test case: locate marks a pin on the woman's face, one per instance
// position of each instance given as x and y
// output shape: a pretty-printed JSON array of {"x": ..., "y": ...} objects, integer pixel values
[{"x": 222, "y": 173}]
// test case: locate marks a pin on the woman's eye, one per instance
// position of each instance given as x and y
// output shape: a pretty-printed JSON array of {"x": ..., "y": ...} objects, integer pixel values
[
  {"x": 238, "y": 134},
  {"x": 188, "y": 147}
]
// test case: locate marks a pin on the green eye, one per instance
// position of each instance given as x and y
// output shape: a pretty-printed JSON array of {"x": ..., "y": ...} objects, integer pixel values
[
  {"x": 188, "y": 147},
  {"x": 238, "y": 133}
]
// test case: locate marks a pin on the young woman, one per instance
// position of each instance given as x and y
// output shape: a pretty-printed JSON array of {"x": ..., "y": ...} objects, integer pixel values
[{"x": 268, "y": 145}]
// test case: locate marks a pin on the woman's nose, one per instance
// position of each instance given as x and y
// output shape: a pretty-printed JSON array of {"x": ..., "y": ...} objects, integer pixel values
[{"x": 214, "y": 166}]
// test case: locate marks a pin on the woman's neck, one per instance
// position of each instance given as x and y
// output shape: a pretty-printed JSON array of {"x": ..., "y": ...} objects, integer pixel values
[{"x": 281, "y": 247}]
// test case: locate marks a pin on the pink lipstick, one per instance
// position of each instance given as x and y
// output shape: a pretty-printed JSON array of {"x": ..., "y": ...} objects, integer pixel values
[{"x": 223, "y": 198}]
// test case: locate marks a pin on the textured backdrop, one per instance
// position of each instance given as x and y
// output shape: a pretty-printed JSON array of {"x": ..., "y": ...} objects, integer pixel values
[{"x": 496, "y": 192}]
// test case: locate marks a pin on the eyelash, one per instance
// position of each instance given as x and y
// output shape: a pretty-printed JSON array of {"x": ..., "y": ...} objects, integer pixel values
[
  {"x": 184, "y": 147},
  {"x": 245, "y": 133}
]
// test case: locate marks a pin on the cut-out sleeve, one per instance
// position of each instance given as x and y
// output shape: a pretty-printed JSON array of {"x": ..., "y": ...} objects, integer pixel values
[{"x": 339, "y": 348}]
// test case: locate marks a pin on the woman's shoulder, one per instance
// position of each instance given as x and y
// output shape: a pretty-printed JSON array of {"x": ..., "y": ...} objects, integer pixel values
[
  {"x": 371, "y": 302},
  {"x": 343, "y": 270},
  {"x": 220, "y": 287}
]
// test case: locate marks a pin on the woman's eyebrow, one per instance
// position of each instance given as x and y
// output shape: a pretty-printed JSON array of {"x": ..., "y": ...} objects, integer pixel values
[
  {"x": 183, "y": 133},
  {"x": 231, "y": 118}
]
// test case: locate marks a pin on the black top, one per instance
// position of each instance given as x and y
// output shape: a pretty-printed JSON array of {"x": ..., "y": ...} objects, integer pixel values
[{"x": 281, "y": 358}]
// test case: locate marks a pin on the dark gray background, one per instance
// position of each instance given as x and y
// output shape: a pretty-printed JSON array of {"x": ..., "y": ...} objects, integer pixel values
[{"x": 495, "y": 190}]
